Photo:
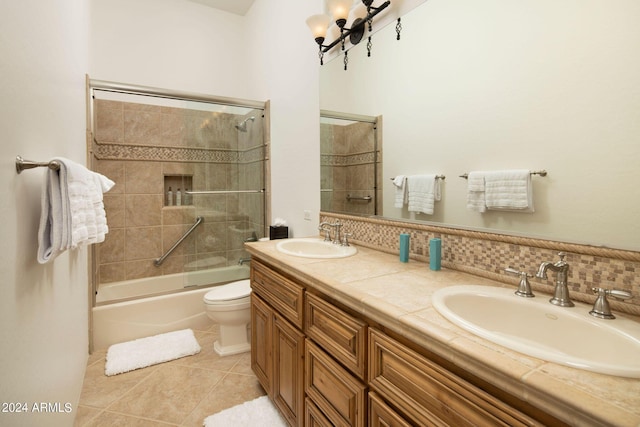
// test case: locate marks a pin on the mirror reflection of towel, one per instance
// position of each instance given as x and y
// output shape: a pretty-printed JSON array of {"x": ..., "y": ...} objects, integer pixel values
[
  {"x": 475, "y": 192},
  {"x": 509, "y": 190},
  {"x": 422, "y": 192},
  {"x": 400, "y": 194}
]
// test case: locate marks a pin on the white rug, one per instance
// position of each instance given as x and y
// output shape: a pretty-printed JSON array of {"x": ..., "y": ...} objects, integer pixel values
[
  {"x": 257, "y": 412},
  {"x": 143, "y": 352}
]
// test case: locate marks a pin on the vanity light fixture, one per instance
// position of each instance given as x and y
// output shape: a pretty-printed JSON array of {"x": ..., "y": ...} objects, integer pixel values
[{"x": 340, "y": 9}]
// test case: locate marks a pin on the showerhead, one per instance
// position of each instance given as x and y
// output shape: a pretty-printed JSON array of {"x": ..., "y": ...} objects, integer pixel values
[{"x": 242, "y": 126}]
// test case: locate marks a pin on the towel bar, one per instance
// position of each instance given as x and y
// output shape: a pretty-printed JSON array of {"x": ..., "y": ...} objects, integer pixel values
[
  {"x": 22, "y": 164},
  {"x": 437, "y": 177},
  {"x": 541, "y": 173},
  {"x": 366, "y": 198}
]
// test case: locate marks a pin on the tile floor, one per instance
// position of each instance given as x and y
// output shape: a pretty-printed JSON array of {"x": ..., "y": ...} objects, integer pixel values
[{"x": 182, "y": 392}]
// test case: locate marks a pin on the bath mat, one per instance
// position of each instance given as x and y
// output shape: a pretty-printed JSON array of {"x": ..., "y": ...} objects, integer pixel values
[
  {"x": 143, "y": 352},
  {"x": 257, "y": 412}
]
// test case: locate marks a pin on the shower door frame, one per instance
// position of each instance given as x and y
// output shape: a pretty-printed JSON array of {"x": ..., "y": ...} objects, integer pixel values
[{"x": 109, "y": 86}]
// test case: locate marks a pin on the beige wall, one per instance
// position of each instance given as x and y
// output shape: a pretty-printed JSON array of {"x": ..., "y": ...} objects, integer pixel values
[{"x": 43, "y": 308}]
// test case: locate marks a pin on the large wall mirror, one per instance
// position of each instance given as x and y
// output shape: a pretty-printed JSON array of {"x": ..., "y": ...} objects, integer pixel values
[{"x": 494, "y": 85}]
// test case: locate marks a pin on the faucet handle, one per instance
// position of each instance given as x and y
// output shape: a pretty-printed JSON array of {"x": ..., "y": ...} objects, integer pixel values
[
  {"x": 345, "y": 239},
  {"x": 616, "y": 293},
  {"x": 601, "y": 307},
  {"x": 524, "y": 288}
]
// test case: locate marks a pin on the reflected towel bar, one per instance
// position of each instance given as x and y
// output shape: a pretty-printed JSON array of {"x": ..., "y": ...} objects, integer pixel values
[
  {"x": 366, "y": 198},
  {"x": 224, "y": 191},
  {"x": 22, "y": 164},
  {"x": 541, "y": 173},
  {"x": 437, "y": 177}
]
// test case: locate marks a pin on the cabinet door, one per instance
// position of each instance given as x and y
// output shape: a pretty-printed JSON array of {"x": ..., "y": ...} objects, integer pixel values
[
  {"x": 261, "y": 342},
  {"x": 288, "y": 360},
  {"x": 338, "y": 394}
]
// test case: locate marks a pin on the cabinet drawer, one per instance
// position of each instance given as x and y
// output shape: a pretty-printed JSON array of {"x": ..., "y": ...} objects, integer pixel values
[
  {"x": 281, "y": 293},
  {"x": 340, "y": 396},
  {"x": 428, "y": 394},
  {"x": 313, "y": 417},
  {"x": 341, "y": 335},
  {"x": 381, "y": 415}
]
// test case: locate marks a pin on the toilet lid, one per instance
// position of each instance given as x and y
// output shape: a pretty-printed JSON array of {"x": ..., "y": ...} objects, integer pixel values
[{"x": 229, "y": 292}]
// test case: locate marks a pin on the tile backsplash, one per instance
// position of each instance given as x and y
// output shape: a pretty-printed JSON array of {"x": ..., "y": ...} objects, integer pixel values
[{"x": 488, "y": 254}]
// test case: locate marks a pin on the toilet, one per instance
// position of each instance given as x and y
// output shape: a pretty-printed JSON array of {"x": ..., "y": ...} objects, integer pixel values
[{"x": 230, "y": 306}]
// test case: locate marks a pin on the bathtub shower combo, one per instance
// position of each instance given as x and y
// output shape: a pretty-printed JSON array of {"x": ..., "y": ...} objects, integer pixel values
[{"x": 190, "y": 190}]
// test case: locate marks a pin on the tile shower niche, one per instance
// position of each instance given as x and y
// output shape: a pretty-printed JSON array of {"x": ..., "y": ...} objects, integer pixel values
[{"x": 175, "y": 190}]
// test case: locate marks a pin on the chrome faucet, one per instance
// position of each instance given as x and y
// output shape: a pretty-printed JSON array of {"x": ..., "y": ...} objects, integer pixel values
[
  {"x": 337, "y": 226},
  {"x": 243, "y": 260},
  {"x": 561, "y": 292},
  {"x": 337, "y": 239},
  {"x": 326, "y": 227}
]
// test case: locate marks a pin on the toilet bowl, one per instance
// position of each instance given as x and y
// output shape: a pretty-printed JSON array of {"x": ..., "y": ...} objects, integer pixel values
[{"x": 230, "y": 306}]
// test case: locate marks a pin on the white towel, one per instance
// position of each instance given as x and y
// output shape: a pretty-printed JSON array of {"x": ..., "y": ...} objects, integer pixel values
[
  {"x": 422, "y": 192},
  {"x": 400, "y": 193},
  {"x": 72, "y": 209},
  {"x": 475, "y": 191},
  {"x": 509, "y": 190}
]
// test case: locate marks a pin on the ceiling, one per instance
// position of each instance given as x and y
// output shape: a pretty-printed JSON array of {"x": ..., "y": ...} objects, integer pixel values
[{"x": 239, "y": 7}]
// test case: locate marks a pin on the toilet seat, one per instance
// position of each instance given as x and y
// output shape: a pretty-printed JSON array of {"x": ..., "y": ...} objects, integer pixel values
[{"x": 228, "y": 293}]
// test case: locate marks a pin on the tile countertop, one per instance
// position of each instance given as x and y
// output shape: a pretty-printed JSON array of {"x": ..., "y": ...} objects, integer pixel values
[{"x": 398, "y": 295}]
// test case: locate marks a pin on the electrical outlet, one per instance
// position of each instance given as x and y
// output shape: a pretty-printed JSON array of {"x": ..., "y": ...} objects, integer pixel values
[{"x": 307, "y": 215}]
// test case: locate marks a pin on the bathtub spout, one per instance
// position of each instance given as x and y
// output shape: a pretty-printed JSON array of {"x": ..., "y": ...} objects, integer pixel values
[{"x": 241, "y": 261}]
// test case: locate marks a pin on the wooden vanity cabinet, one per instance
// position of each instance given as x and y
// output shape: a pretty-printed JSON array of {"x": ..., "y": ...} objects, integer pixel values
[{"x": 324, "y": 365}]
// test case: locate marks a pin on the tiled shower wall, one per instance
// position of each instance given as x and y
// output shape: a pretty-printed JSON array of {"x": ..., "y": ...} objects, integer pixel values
[
  {"x": 137, "y": 145},
  {"x": 488, "y": 254},
  {"x": 348, "y": 167}
]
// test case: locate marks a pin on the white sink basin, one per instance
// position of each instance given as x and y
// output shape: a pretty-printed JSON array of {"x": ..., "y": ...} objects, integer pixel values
[
  {"x": 533, "y": 326},
  {"x": 314, "y": 248}
]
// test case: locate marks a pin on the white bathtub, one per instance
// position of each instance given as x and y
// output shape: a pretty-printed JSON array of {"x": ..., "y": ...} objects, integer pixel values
[{"x": 137, "y": 317}]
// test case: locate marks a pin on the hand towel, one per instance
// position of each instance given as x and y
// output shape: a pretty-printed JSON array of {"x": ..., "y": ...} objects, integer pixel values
[
  {"x": 475, "y": 191},
  {"x": 509, "y": 190},
  {"x": 400, "y": 192},
  {"x": 53, "y": 231},
  {"x": 72, "y": 209},
  {"x": 422, "y": 192}
]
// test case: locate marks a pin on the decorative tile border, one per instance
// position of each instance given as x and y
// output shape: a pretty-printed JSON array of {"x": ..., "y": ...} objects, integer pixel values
[
  {"x": 488, "y": 254},
  {"x": 347, "y": 159},
  {"x": 104, "y": 151}
]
